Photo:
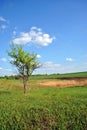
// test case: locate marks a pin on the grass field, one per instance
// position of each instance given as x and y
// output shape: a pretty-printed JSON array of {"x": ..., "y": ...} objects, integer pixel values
[
  {"x": 42, "y": 108},
  {"x": 60, "y": 76}
]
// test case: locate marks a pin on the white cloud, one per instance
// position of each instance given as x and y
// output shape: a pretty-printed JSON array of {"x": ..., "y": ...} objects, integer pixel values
[
  {"x": 25, "y": 38},
  {"x": 35, "y": 28},
  {"x": 3, "y": 59},
  {"x": 1, "y": 68},
  {"x": 43, "y": 39},
  {"x": 48, "y": 68},
  {"x": 34, "y": 36},
  {"x": 69, "y": 59},
  {"x": 8, "y": 72},
  {"x": 3, "y": 26},
  {"x": 2, "y": 19},
  {"x": 11, "y": 59},
  {"x": 51, "y": 68},
  {"x": 14, "y": 32},
  {"x": 50, "y": 64},
  {"x": 38, "y": 56}
]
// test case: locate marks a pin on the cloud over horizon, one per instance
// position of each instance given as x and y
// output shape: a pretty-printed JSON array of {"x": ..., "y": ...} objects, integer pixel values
[
  {"x": 69, "y": 59},
  {"x": 48, "y": 68},
  {"x": 3, "y": 59},
  {"x": 35, "y": 36},
  {"x": 53, "y": 68}
]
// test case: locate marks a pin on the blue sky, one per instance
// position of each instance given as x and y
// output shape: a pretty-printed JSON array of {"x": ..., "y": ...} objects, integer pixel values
[{"x": 56, "y": 30}]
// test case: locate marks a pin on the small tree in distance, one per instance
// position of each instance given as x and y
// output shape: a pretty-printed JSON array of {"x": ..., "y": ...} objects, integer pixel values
[{"x": 25, "y": 62}]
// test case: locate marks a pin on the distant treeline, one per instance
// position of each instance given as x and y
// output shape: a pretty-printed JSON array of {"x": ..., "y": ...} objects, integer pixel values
[
  {"x": 51, "y": 76},
  {"x": 10, "y": 77}
]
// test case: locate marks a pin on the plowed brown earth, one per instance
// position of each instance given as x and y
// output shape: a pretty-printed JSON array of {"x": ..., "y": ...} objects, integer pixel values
[{"x": 64, "y": 82}]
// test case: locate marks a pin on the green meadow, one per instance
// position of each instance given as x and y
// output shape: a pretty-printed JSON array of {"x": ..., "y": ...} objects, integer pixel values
[
  {"x": 60, "y": 76},
  {"x": 42, "y": 108}
]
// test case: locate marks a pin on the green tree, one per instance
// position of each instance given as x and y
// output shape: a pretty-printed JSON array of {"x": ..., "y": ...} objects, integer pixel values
[{"x": 25, "y": 62}]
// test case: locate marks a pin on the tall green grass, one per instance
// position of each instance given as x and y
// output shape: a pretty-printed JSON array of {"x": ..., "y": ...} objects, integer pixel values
[{"x": 42, "y": 108}]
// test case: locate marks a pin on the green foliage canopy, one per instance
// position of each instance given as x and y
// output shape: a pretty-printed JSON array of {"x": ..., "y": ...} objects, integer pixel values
[{"x": 25, "y": 62}]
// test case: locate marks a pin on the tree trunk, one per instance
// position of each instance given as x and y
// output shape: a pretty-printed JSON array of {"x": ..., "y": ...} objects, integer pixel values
[{"x": 25, "y": 80}]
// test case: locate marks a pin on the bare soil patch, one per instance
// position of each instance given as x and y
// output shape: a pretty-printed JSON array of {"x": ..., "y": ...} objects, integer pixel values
[{"x": 64, "y": 82}]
